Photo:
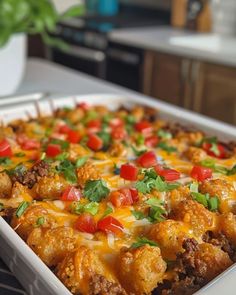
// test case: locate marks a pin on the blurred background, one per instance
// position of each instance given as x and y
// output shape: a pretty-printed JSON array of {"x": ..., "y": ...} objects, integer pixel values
[{"x": 180, "y": 51}]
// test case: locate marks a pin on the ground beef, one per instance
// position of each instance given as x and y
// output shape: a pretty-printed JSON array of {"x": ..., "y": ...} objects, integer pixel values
[
  {"x": 31, "y": 176},
  {"x": 99, "y": 285},
  {"x": 222, "y": 242},
  {"x": 187, "y": 286}
]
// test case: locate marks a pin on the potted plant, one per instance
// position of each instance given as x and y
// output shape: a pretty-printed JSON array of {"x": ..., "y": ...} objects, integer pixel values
[{"x": 17, "y": 19}]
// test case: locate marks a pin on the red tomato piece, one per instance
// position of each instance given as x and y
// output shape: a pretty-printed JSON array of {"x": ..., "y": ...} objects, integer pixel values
[
  {"x": 94, "y": 142},
  {"x": 73, "y": 136},
  {"x": 170, "y": 174},
  {"x": 128, "y": 172},
  {"x": 71, "y": 194},
  {"x": 144, "y": 127},
  {"x": 5, "y": 149},
  {"x": 27, "y": 143},
  {"x": 118, "y": 133},
  {"x": 86, "y": 223},
  {"x": 53, "y": 150},
  {"x": 110, "y": 224},
  {"x": 121, "y": 198},
  {"x": 134, "y": 195},
  {"x": 64, "y": 129},
  {"x": 83, "y": 105},
  {"x": 201, "y": 173},
  {"x": 151, "y": 141},
  {"x": 147, "y": 160},
  {"x": 222, "y": 152},
  {"x": 116, "y": 122},
  {"x": 96, "y": 124}
]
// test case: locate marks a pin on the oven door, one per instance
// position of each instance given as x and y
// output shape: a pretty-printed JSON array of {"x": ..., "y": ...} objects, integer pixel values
[
  {"x": 124, "y": 66},
  {"x": 90, "y": 61}
]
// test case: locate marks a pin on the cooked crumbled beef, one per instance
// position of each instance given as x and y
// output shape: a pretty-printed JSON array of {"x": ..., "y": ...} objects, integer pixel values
[
  {"x": 222, "y": 242},
  {"x": 99, "y": 285},
  {"x": 175, "y": 128},
  {"x": 186, "y": 286},
  {"x": 31, "y": 176},
  {"x": 150, "y": 114}
]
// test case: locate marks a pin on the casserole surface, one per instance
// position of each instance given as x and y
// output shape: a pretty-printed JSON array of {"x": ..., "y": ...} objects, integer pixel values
[{"x": 167, "y": 149}]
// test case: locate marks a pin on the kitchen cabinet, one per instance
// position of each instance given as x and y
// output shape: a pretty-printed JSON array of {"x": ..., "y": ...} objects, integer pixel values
[{"x": 199, "y": 86}]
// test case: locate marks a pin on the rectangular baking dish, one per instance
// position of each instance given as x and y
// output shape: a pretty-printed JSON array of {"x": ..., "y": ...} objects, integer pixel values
[{"x": 33, "y": 274}]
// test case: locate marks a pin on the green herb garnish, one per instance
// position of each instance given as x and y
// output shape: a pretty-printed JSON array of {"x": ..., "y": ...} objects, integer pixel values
[
  {"x": 138, "y": 214},
  {"x": 62, "y": 143},
  {"x": 164, "y": 146},
  {"x": 161, "y": 133},
  {"x": 68, "y": 170},
  {"x": 96, "y": 190},
  {"x": 19, "y": 155},
  {"x": 91, "y": 208},
  {"x": 108, "y": 211},
  {"x": 40, "y": 221},
  {"x": 21, "y": 208},
  {"x": 143, "y": 241},
  {"x": 212, "y": 203},
  {"x": 81, "y": 161},
  {"x": 5, "y": 161}
]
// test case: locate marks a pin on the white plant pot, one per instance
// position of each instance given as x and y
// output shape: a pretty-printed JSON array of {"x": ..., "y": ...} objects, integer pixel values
[{"x": 12, "y": 64}]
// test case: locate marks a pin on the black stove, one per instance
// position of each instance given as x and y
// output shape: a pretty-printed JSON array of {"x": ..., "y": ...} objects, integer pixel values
[{"x": 90, "y": 50}]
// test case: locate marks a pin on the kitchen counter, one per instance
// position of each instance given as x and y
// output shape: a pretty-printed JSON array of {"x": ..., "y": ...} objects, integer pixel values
[{"x": 207, "y": 47}]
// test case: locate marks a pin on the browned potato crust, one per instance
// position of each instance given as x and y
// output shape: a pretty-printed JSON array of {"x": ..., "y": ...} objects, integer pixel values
[
  {"x": 228, "y": 226},
  {"x": 50, "y": 187},
  {"x": 196, "y": 215},
  {"x": 195, "y": 155},
  {"x": 87, "y": 172},
  {"x": 140, "y": 269},
  {"x": 5, "y": 185},
  {"x": 169, "y": 235},
  {"x": 51, "y": 245},
  {"x": 223, "y": 190},
  {"x": 78, "y": 268}
]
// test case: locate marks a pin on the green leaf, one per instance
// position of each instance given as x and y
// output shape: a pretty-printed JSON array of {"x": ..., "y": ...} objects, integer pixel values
[
  {"x": 138, "y": 152},
  {"x": 96, "y": 190},
  {"x": 108, "y": 211},
  {"x": 210, "y": 163},
  {"x": 140, "y": 139},
  {"x": 193, "y": 187},
  {"x": 61, "y": 157},
  {"x": 73, "y": 11},
  {"x": 143, "y": 241},
  {"x": 91, "y": 208},
  {"x": 201, "y": 198},
  {"x": 154, "y": 202},
  {"x": 232, "y": 171},
  {"x": 19, "y": 155},
  {"x": 213, "y": 203},
  {"x": 5, "y": 161},
  {"x": 81, "y": 161},
  {"x": 21, "y": 208},
  {"x": 68, "y": 170},
  {"x": 40, "y": 221},
  {"x": 164, "y": 146},
  {"x": 105, "y": 137},
  {"x": 130, "y": 119},
  {"x": 164, "y": 134},
  {"x": 156, "y": 214},
  {"x": 62, "y": 143},
  {"x": 138, "y": 214}
]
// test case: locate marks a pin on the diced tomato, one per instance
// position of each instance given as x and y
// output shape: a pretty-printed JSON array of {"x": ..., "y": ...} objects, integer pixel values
[
  {"x": 94, "y": 125},
  {"x": 116, "y": 122},
  {"x": 134, "y": 195},
  {"x": 64, "y": 129},
  {"x": 170, "y": 174},
  {"x": 94, "y": 142},
  {"x": 128, "y": 172},
  {"x": 147, "y": 160},
  {"x": 201, "y": 173},
  {"x": 86, "y": 223},
  {"x": 118, "y": 133},
  {"x": 151, "y": 141},
  {"x": 71, "y": 194},
  {"x": 83, "y": 105},
  {"x": 73, "y": 136},
  {"x": 53, "y": 150},
  {"x": 5, "y": 149},
  {"x": 222, "y": 152},
  {"x": 121, "y": 198},
  {"x": 27, "y": 143},
  {"x": 144, "y": 127},
  {"x": 110, "y": 224}
]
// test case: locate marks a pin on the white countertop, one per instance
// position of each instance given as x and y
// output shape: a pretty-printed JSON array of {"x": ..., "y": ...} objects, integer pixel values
[{"x": 207, "y": 47}]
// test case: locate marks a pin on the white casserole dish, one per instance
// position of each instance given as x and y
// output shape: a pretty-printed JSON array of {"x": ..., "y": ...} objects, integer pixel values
[{"x": 33, "y": 274}]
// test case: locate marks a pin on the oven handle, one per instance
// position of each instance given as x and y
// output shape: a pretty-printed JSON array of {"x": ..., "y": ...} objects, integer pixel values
[
  {"x": 124, "y": 56},
  {"x": 86, "y": 53}
]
